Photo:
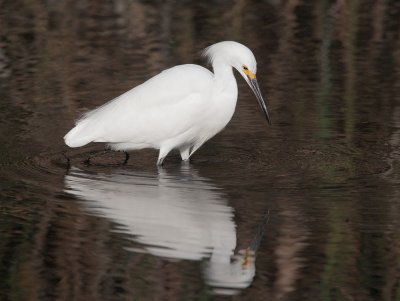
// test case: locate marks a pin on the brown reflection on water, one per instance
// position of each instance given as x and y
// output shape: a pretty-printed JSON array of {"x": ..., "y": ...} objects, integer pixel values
[
  {"x": 291, "y": 243},
  {"x": 327, "y": 170}
]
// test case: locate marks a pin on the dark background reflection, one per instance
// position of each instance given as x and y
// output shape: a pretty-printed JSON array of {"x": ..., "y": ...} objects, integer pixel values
[{"x": 327, "y": 170}]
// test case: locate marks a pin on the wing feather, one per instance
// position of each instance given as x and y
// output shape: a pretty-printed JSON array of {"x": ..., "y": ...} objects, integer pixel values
[{"x": 164, "y": 105}]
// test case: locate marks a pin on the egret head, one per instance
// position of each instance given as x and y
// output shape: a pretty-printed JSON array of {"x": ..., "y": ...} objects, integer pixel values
[{"x": 242, "y": 59}]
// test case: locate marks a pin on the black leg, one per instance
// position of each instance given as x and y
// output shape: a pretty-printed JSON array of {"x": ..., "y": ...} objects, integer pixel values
[
  {"x": 95, "y": 154},
  {"x": 68, "y": 160},
  {"x": 126, "y": 157},
  {"x": 102, "y": 152}
]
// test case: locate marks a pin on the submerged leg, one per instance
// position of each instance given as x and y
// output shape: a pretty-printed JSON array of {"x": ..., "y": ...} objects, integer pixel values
[
  {"x": 126, "y": 157},
  {"x": 102, "y": 152},
  {"x": 185, "y": 153},
  {"x": 68, "y": 160},
  {"x": 160, "y": 161},
  {"x": 195, "y": 148},
  {"x": 163, "y": 153},
  {"x": 95, "y": 154}
]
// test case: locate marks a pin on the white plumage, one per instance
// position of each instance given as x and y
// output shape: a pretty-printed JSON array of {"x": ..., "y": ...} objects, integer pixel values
[{"x": 180, "y": 108}]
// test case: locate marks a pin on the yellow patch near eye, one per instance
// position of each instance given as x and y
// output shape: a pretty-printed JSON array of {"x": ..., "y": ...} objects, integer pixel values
[{"x": 249, "y": 73}]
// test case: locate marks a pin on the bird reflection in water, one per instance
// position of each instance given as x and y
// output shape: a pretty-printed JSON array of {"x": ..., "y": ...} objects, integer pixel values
[{"x": 179, "y": 216}]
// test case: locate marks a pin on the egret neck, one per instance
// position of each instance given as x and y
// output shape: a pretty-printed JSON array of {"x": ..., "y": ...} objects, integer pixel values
[{"x": 224, "y": 78}]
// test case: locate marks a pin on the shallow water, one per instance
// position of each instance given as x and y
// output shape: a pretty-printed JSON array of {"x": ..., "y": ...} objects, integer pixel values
[{"x": 307, "y": 209}]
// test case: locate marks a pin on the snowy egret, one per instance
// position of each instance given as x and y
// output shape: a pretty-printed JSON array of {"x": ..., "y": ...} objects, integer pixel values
[{"x": 180, "y": 108}]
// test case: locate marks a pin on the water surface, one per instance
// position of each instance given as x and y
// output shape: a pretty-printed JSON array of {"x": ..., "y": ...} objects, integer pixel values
[{"x": 307, "y": 209}]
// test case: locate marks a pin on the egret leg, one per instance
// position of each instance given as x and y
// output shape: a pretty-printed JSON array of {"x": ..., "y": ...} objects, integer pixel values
[
  {"x": 126, "y": 157},
  {"x": 163, "y": 153},
  {"x": 68, "y": 160},
  {"x": 185, "y": 153},
  {"x": 95, "y": 154},
  {"x": 160, "y": 161},
  {"x": 195, "y": 148},
  {"x": 102, "y": 152}
]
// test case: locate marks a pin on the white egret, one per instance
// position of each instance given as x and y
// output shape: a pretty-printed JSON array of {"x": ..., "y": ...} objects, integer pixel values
[{"x": 180, "y": 108}]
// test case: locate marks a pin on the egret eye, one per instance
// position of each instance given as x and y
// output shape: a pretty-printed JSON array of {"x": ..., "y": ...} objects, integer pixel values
[{"x": 245, "y": 68}]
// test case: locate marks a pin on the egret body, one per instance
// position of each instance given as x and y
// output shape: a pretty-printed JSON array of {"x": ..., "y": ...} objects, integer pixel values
[{"x": 179, "y": 108}]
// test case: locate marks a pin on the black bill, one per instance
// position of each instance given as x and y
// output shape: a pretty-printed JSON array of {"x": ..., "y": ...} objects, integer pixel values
[{"x": 254, "y": 86}]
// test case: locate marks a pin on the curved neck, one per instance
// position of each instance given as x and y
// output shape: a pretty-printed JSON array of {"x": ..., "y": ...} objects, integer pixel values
[{"x": 223, "y": 73}]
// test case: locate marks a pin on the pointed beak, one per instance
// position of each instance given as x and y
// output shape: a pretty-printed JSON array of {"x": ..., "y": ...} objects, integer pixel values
[{"x": 256, "y": 89}]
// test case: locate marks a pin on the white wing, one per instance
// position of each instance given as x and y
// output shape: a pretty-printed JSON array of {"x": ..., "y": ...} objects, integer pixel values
[{"x": 161, "y": 108}]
